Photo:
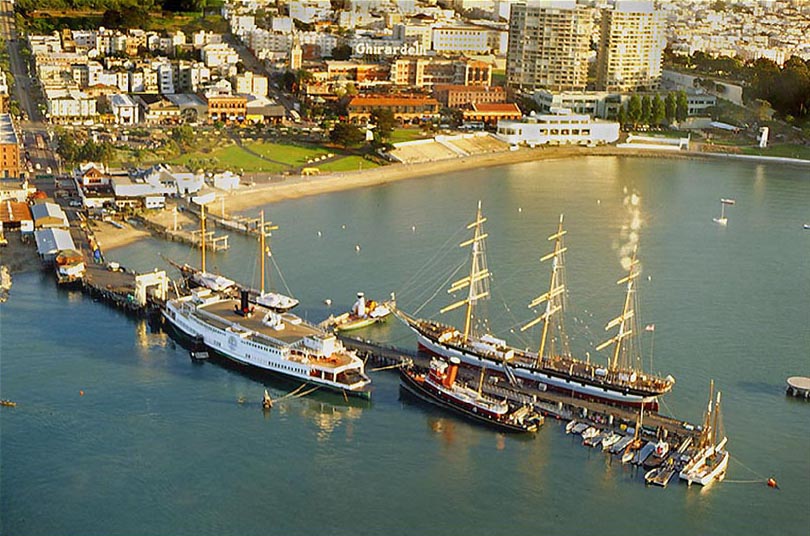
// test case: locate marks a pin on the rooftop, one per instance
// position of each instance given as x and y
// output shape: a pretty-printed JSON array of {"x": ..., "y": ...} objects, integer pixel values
[{"x": 7, "y": 132}]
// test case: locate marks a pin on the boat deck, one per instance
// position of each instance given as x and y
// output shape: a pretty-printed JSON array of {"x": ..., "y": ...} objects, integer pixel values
[{"x": 224, "y": 315}]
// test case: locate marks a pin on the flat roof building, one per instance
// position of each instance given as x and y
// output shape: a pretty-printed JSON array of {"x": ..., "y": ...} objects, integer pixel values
[{"x": 9, "y": 148}]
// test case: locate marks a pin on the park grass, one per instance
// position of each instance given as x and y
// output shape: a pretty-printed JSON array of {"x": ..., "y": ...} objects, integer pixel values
[
  {"x": 292, "y": 155},
  {"x": 786, "y": 150},
  {"x": 407, "y": 134},
  {"x": 348, "y": 163},
  {"x": 232, "y": 157}
]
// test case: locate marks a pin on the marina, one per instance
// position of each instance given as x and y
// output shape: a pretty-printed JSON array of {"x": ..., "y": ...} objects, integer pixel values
[{"x": 436, "y": 454}]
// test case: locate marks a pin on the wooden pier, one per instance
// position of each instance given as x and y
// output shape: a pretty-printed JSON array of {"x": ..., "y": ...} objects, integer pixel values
[{"x": 551, "y": 403}]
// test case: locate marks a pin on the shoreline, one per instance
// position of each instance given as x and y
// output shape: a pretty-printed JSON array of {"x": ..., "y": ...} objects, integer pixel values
[{"x": 298, "y": 187}]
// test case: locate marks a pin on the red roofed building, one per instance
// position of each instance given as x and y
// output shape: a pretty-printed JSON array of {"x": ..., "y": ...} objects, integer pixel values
[
  {"x": 490, "y": 113},
  {"x": 406, "y": 109},
  {"x": 13, "y": 213}
]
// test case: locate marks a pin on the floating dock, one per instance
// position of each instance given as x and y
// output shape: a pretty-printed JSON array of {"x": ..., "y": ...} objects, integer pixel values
[{"x": 799, "y": 386}]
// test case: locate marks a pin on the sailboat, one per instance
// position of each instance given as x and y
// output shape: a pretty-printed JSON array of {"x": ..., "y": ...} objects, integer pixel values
[
  {"x": 722, "y": 220},
  {"x": 203, "y": 278},
  {"x": 710, "y": 461},
  {"x": 272, "y": 300},
  {"x": 549, "y": 368}
]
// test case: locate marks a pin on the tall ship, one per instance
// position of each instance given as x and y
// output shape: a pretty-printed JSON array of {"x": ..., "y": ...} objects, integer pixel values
[
  {"x": 271, "y": 340},
  {"x": 620, "y": 381}
]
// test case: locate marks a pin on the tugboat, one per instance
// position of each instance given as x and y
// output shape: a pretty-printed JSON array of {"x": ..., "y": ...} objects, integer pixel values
[{"x": 439, "y": 387}]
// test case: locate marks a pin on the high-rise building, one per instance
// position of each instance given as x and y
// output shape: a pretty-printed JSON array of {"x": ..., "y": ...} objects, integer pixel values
[
  {"x": 548, "y": 46},
  {"x": 631, "y": 47}
]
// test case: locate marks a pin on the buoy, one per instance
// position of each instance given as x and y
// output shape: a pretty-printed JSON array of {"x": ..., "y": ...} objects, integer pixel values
[
  {"x": 598, "y": 201},
  {"x": 319, "y": 233},
  {"x": 344, "y": 226},
  {"x": 520, "y": 209},
  {"x": 772, "y": 483},
  {"x": 327, "y": 301},
  {"x": 81, "y": 393},
  {"x": 413, "y": 228},
  {"x": 357, "y": 247}
]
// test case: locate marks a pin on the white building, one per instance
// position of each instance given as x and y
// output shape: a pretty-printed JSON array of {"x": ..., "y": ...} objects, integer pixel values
[
  {"x": 549, "y": 45},
  {"x": 125, "y": 109},
  {"x": 631, "y": 47},
  {"x": 214, "y": 55},
  {"x": 309, "y": 11},
  {"x": 165, "y": 75},
  {"x": 281, "y": 24},
  {"x": 251, "y": 84},
  {"x": 69, "y": 104},
  {"x": 460, "y": 40},
  {"x": 51, "y": 241},
  {"x": 226, "y": 181},
  {"x": 561, "y": 128},
  {"x": 326, "y": 42}
]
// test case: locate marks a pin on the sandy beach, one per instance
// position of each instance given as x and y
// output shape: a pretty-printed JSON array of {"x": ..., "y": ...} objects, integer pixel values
[{"x": 295, "y": 187}]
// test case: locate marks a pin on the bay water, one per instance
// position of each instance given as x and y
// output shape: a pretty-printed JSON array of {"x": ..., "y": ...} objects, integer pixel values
[{"x": 157, "y": 444}]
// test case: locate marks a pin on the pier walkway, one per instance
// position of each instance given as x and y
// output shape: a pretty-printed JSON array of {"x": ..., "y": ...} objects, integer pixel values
[{"x": 550, "y": 403}]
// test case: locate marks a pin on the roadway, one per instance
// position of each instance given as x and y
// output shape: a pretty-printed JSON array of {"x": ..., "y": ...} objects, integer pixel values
[{"x": 26, "y": 89}]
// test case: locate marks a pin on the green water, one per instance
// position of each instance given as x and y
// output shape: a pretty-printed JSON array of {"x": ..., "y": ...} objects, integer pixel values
[{"x": 159, "y": 445}]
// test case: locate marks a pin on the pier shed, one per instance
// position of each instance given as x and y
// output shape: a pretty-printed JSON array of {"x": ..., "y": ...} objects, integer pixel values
[
  {"x": 51, "y": 241},
  {"x": 16, "y": 215},
  {"x": 48, "y": 216}
]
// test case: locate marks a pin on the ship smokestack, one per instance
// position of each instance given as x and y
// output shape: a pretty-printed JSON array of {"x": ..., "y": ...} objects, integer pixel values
[{"x": 452, "y": 372}]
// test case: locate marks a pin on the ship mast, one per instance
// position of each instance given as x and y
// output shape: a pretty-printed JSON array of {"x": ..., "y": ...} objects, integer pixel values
[
  {"x": 265, "y": 232},
  {"x": 555, "y": 297},
  {"x": 478, "y": 279},
  {"x": 706, "y": 436},
  {"x": 625, "y": 321},
  {"x": 202, "y": 237}
]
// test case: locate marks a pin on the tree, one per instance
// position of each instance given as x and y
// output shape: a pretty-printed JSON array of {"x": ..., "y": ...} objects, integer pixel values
[
  {"x": 634, "y": 110},
  {"x": 657, "y": 112},
  {"x": 346, "y": 134},
  {"x": 183, "y": 135},
  {"x": 670, "y": 107},
  {"x": 646, "y": 110},
  {"x": 342, "y": 52},
  {"x": 621, "y": 115},
  {"x": 682, "y": 106},
  {"x": 385, "y": 122}
]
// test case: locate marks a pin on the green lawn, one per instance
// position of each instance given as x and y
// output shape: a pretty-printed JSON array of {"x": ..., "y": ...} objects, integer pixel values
[
  {"x": 785, "y": 150},
  {"x": 292, "y": 155},
  {"x": 407, "y": 134},
  {"x": 232, "y": 158},
  {"x": 348, "y": 163}
]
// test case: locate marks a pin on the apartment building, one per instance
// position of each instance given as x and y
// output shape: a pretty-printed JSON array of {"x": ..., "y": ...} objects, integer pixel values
[
  {"x": 631, "y": 47},
  {"x": 548, "y": 46}
]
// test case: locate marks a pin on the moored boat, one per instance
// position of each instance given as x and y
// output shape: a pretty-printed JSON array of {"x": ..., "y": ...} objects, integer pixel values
[
  {"x": 710, "y": 459},
  {"x": 552, "y": 366},
  {"x": 364, "y": 313},
  {"x": 439, "y": 386},
  {"x": 275, "y": 342}
]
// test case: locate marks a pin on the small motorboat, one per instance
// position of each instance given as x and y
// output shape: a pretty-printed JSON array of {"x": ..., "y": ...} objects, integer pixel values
[
  {"x": 8, "y": 403},
  {"x": 267, "y": 402},
  {"x": 570, "y": 427}
]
